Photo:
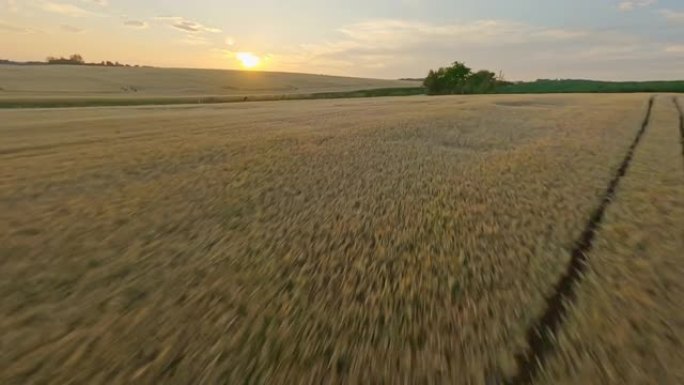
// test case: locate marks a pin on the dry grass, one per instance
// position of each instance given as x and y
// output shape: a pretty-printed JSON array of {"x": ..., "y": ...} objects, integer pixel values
[
  {"x": 628, "y": 324},
  {"x": 406, "y": 240}
]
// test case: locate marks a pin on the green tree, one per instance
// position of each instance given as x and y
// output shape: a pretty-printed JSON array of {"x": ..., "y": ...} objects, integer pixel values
[
  {"x": 481, "y": 82},
  {"x": 76, "y": 59},
  {"x": 459, "y": 79},
  {"x": 447, "y": 80}
]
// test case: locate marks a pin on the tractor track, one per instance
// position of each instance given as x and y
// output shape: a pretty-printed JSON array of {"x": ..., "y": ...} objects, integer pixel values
[
  {"x": 540, "y": 335},
  {"x": 681, "y": 122}
]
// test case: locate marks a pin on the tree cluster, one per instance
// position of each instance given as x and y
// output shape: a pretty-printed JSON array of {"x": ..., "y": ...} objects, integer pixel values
[
  {"x": 460, "y": 79},
  {"x": 77, "y": 59},
  {"x": 73, "y": 59}
]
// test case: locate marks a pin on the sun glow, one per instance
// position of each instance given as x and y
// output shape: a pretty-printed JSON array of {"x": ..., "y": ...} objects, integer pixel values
[{"x": 248, "y": 59}]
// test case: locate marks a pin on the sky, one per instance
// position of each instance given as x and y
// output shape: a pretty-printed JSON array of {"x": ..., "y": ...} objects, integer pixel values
[{"x": 523, "y": 39}]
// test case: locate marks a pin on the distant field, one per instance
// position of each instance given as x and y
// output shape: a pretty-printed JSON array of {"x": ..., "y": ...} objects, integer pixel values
[
  {"x": 45, "y": 86},
  {"x": 65, "y": 85},
  {"x": 415, "y": 240}
]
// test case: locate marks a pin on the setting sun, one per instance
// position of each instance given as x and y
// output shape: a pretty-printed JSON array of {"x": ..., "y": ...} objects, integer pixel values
[{"x": 248, "y": 59}]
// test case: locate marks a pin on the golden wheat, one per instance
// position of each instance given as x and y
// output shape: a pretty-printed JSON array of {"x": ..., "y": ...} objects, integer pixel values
[{"x": 393, "y": 240}]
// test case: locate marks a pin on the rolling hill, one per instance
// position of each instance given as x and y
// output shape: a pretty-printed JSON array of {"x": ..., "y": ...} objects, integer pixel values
[{"x": 32, "y": 85}]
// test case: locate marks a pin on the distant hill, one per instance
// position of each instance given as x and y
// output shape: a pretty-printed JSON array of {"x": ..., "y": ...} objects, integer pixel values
[
  {"x": 589, "y": 86},
  {"x": 65, "y": 81}
]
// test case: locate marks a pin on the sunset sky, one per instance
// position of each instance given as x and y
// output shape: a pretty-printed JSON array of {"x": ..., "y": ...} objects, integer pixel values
[{"x": 526, "y": 39}]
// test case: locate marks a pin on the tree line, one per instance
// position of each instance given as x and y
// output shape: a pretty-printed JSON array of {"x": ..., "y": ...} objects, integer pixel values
[
  {"x": 460, "y": 79},
  {"x": 77, "y": 59}
]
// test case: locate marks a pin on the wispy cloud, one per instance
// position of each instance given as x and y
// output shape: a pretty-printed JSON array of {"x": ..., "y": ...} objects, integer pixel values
[
  {"x": 102, "y": 3},
  {"x": 64, "y": 9},
  {"x": 186, "y": 25},
  {"x": 70, "y": 28},
  {"x": 195, "y": 40},
  {"x": 11, "y": 5},
  {"x": 6, "y": 27},
  {"x": 677, "y": 49},
  {"x": 673, "y": 16},
  {"x": 369, "y": 43},
  {"x": 603, "y": 52},
  {"x": 406, "y": 48},
  {"x": 137, "y": 24},
  {"x": 386, "y": 33},
  {"x": 631, "y": 5}
]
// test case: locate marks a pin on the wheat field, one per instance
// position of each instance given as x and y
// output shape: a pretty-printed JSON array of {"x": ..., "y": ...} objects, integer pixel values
[{"x": 412, "y": 240}]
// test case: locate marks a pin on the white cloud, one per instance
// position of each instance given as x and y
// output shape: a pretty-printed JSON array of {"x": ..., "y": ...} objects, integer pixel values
[
  {"x": 605, "y": 52},
  {"x": 401, "y": 48},
  {"x": 195, "y": 40},
  {"x": 496, "y": 32},
  {"x": 64, "y": 9},
  {"x": 375, "y": 44},
  {"x": 673, "y": 16},
  {"x": 6, "y": 27},
  {"x": 186, "y": 25},
  {"x": 631, "y": 5},
  {"x": 136, "y": 24},
  {"x": 70, "y": 28},
  {"x": 677, "y": 49},
  {"x": 101, "y": 3},
  {"x": 12, "y": 6}
]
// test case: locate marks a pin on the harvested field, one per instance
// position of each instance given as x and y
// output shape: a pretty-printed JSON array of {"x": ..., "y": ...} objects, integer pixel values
[{"x": 411, "y": 240}]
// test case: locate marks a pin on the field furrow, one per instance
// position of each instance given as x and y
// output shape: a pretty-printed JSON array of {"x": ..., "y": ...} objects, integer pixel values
[
  {"x": 680, "y": 110},
  {"x": 627, "y": 325}
]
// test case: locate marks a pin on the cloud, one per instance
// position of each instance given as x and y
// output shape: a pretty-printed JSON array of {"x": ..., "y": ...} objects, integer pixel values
[
  {"x": 101, "y": 3},
  {"x": 608, "y": 52},
  {"x": 14, "y": 28},
  {"x": 404, "y": 48},
  {"x": 677, "y": 49},
  {"x": 673, "y": 16},
  {"x": 195, "y": 40},
  {"x": 627, "y": 6},
  {"x": 64, "y": 9},
  {"x": 70, "y": 28},
  {"x": 12, "y": 6},
  {"x": 186, "y": 25},
  {"x": 389, "y": 32},
  {"x": 365, "y": 44},
  {"x": 136, "y": 24}
]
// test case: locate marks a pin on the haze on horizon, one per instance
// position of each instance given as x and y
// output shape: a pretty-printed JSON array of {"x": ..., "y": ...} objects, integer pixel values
[{"x": 605, "y": 39}]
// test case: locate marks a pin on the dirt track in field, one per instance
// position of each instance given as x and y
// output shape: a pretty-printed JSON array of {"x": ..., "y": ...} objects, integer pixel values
[{"x": 393, "y": 240}]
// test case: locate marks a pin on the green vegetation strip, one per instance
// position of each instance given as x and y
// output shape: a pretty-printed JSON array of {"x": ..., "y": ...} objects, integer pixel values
[
  {"x": 590, "y": 86},
  {"x": 118, "y": 102}
]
